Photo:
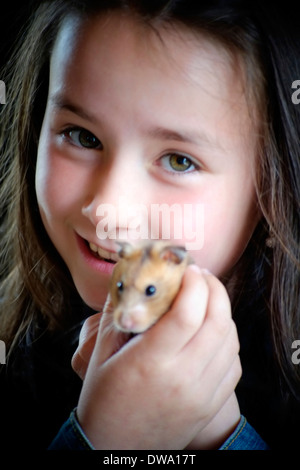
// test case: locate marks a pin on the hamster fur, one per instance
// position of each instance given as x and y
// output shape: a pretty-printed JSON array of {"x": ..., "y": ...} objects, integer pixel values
[{"x": 145, "y": 282}]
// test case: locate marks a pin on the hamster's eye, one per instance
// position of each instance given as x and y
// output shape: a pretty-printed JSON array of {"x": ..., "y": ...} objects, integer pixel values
[
  {"x": 150, "y": 290},
  {"x": 120, "y": 286}
]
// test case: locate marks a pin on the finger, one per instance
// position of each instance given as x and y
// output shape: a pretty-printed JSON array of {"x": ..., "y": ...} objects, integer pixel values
[
  {"x": 216, "y": 343},
  {"x": 219, "y": 306},
  {"x": 87, "y": 340},
  {"x": 176, "y": 328},
  {"x": 222, "y": 362},
  {"x": 88, "y": 331},
  {"x": 109, "y": 340}
]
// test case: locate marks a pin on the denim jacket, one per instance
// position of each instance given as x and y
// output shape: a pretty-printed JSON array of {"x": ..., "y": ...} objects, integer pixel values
[{"x": 72, "y": 437}]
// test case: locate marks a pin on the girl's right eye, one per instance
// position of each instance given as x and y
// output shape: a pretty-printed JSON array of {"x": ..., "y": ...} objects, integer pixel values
[{"x": 82, "y": 138}]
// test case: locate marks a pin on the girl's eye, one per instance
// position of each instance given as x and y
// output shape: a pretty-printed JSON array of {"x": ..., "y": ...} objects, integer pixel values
[
  {"x": 82, "y": 138},
  {"x": 178, "y": 163}
]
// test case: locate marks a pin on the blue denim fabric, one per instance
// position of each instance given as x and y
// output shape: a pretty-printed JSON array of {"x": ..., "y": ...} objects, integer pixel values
[
  {"x": 244, "y": 437},
  {"x": 72, "y": 437}
]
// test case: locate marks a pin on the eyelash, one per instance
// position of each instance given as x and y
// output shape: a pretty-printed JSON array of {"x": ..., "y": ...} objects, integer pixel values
[
  {"x": 193, "y": 167},
  {"x": 66, "y": 134}
]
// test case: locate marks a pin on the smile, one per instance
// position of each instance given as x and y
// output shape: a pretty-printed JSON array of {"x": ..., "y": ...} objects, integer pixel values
[{"x": 102, "y": 253}]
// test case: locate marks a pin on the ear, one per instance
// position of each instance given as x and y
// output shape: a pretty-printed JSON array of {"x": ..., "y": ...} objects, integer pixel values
[
  {"x": 173, "y": 254},
  {"x": 125, "y": 249}
]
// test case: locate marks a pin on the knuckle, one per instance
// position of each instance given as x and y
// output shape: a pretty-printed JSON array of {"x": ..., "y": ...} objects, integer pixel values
[
  {"x": 222, "y": 324},
  {"x": 191, "y": 310},
  {"x": 189, "y": 320},
  {"x": 237, "y": 370}
]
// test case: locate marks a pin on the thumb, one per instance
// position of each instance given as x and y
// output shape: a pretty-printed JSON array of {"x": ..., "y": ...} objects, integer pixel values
[{"x": 109, "y": 339}]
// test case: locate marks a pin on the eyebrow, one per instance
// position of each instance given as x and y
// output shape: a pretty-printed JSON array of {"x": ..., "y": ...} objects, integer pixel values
[
  {"x": 64, "y": 104},
  {"x": 198, "y": 137},
  {"x": 186, "y": 136}
]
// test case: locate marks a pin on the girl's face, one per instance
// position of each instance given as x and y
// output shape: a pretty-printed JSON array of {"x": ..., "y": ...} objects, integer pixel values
[{"x": 144, "y": 123}]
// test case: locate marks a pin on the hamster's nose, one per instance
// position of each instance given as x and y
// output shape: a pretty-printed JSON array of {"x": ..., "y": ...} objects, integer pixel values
[
  {"x": 133, "y": 320},
  {"x": 127, "y": 323}
]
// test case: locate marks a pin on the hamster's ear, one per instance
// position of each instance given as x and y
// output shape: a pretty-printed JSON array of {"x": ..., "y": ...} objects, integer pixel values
[
  {"x": 173, "y": 254},
  {"x": 125, "y": 249}
]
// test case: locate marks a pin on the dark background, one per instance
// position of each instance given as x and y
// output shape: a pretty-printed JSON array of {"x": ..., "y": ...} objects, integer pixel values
[{"x": 13, "y": 15}]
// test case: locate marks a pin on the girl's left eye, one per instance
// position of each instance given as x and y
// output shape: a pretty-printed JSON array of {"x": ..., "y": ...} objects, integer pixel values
[
  {"x": 178, "y": 163},
  {"x": 82, "y": 138}
]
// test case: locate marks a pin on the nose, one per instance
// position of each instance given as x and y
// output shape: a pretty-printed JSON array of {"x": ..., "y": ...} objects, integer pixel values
[
  {"x": 134, "y": 319},
  {"x": 115, "y": 206}
]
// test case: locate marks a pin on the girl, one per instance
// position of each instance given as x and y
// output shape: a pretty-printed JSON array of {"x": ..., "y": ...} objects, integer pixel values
[{"x": 170, "y": 101}]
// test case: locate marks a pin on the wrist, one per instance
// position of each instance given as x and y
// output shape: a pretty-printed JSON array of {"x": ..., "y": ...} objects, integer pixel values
[{"x": 220, "y": 428}]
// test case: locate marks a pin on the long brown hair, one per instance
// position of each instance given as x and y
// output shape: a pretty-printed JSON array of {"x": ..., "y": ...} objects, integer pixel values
[{"x": 35, "y": 281}]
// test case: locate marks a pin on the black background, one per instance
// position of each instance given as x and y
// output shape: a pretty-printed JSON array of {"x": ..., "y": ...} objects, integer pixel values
[{"x": 13, "y": 17}]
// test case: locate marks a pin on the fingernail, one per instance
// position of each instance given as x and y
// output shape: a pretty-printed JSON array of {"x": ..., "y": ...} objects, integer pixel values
[
  {"x": 205, "y": 271},
  {"x": 198, "y": 270},
  {"x": 195, "y": 268}
]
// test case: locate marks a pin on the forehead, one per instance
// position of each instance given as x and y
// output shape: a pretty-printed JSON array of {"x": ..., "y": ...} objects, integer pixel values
[
  {"x": 115, "y": 60},
  {"x": 186, "y": 53}
]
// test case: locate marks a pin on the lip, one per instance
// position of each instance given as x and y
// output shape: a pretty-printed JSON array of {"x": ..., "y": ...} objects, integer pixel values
[{"x": 95, "y": 263}]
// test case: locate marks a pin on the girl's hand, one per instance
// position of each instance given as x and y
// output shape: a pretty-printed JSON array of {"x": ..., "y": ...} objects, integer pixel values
[
  {"x": 88, "y": 335},
  {"x": 86, "y": 344},
  {"x": 170, "y": 387}
]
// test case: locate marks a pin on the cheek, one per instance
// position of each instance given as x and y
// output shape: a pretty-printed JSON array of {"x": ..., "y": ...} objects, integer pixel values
[
  {"x": 47, "y": 189},
  {"x": 228, "y": 224},
  {"x": 47, "y": 178},
  {"x": 57, "y": 183},
  {"x": 58, "y": 178},
  {"x": 179, "y": 217}
]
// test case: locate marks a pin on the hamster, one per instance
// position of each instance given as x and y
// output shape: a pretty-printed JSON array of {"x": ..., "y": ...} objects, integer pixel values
[{"x": 145, "y": 282}]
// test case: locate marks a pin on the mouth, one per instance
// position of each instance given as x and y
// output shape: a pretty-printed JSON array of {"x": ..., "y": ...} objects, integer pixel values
[{"x": 101, "y": 253}]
